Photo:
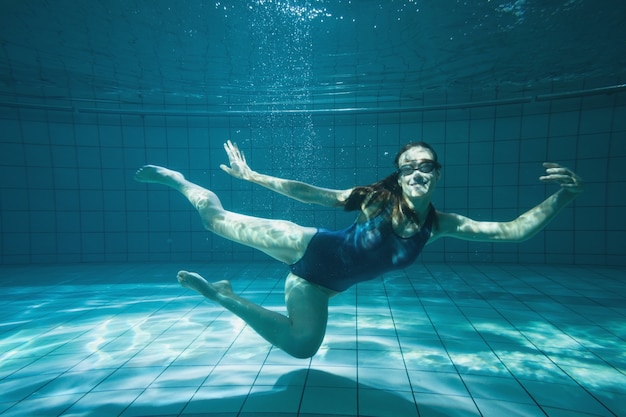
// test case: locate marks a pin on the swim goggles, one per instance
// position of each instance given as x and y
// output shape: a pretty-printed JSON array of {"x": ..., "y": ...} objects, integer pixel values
[{"x": 425, "y": 166}]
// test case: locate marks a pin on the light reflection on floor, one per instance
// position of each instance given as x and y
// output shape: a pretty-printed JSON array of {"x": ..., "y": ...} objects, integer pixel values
[{"x": 442, "y": 340}]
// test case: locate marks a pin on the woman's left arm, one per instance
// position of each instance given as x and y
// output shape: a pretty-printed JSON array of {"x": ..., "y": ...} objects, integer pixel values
[
  {"x": 526, "y": 225},
  {"x": 297, "y": 190}
]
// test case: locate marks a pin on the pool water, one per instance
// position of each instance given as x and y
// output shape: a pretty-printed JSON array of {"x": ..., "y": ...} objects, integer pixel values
[
  {"x": 432, "y": 340},
  {"x": 92, "y": 320}
]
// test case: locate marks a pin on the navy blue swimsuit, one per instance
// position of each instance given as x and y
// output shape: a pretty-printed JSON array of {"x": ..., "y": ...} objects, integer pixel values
[{"x": 339, "y": 259}]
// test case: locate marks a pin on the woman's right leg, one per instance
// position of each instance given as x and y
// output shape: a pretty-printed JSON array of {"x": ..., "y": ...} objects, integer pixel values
[
  {"x": 300, "y": 333},
  {"x": 280, "y": 239}
]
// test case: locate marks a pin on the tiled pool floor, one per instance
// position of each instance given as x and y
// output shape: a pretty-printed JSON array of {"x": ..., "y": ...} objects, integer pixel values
[{"x": 435, "y": 340}]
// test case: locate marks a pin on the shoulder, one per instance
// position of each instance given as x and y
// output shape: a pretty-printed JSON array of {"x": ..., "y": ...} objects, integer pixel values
[
  {"x": 334, "y": 198},
  {"x": 343, "y": 196},
  {"x": 450, "y": 219},
  {"x": 374, "y": 208},
  {"x": 449, "y": 224}
]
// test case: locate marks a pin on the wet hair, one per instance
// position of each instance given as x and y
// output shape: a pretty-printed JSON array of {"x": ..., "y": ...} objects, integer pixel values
[{"x": 388, "y": 190}]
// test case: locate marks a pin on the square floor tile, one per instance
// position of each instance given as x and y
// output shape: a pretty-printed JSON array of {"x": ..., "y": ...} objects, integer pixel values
[
  {"x": 240, "y": 375},
  {"x": 496, "y": 388},
  {"x": 436, "y": 405},
  {"x": 42, "y": 406},
  {"x": 566, "y": 397},
  {"x": 382, "y": 403},
  {"x": 386, "y": 379},
  {"x": 438, "y": 383},
  {"x": 103, "y": 403},
  {"x": 216, "y": 399},
  {"x": 160, "y": 402},
  {"x": 281, "y": 376},
  {"x": 328, "y": 376},
  {"x": 130, "y": 378},
  {"x": 73, "y": 383},
  {"x": 273, "y": 401},
  {"x": 493, "y": 408},
  {"x": 182, "y": 376},
  {"x": 322, "y": 400}
]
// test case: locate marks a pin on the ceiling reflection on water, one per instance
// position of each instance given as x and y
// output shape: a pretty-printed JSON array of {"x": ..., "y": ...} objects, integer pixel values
[{"x": 282, "y": 56}]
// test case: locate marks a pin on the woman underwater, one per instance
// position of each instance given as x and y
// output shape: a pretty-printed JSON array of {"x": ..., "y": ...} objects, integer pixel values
[{"x": 395, "y": 221}]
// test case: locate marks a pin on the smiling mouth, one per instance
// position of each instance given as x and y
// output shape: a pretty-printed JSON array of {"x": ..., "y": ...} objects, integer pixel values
[
  {"x": 420, "y": 181},
  {"x": 420, "y": 187}
]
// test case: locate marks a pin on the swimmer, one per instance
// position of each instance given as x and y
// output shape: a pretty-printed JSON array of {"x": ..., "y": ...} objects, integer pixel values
[{"x": 395, "y": 220}]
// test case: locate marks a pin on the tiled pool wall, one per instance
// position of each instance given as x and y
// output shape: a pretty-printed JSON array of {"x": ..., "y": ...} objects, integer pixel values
[{"x": 68, "y": 195}]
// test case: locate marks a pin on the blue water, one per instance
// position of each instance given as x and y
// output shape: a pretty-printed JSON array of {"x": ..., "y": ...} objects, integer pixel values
[
  {"x": 454, "y": 340},
  {"x": 92, "y": 321},
  {"x": 285, "y": 54}
]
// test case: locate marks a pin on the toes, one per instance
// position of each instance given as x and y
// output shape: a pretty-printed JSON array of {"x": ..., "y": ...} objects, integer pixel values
[{"x": 182, "y": 276}]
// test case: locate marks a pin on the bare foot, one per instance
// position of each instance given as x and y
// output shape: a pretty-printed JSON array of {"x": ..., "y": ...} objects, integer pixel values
[
  {"x": 195, "y": 282},
  {"x": 159, "y": 175}
]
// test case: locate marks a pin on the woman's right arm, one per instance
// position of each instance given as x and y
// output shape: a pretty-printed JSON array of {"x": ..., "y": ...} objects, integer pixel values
[{"x": 297, "y": 190}]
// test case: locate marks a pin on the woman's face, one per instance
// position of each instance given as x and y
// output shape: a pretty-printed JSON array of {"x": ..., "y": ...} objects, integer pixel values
[{"x": 415, "y": 180}]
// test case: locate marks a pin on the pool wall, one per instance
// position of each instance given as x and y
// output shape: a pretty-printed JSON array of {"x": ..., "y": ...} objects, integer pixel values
[{"x": 68, "y": 195}]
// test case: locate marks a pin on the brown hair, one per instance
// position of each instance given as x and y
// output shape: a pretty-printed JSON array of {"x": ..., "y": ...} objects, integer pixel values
[{"x": 387, "y": 189}]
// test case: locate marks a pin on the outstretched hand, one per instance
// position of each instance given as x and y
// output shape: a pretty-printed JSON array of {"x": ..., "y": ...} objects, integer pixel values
[
  {"x": 238, "y": 166},
  {"x": 567, "y": 179}
]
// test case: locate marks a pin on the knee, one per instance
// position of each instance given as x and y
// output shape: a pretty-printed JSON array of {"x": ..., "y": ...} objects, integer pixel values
[
  {"x": 305, "y": 347},
  {"x": 213, "y": 220},
  {"x": 205, "y": 200},
  {"x": 304, "y": 352},
  {"x": 210, "y": 212}
]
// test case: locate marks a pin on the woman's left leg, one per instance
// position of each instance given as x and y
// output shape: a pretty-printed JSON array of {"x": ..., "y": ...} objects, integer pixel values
[
  {"x": 300, "y": 333},
  {"x": 280, "y": 239}
]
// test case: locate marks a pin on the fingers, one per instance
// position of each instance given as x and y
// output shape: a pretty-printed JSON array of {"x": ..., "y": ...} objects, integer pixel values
[
  {"x": 555, "y": 172},
  {"x": 233, "y": 152},
  {"x": 230, "y": 149},
  {"x": 551, "y": 165},
  {"x": 237, "y": 166},
  {"x": 552, "y": 168},
  {"x": 554, "y": 177},
  {"x": 562, "y": 176}
]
